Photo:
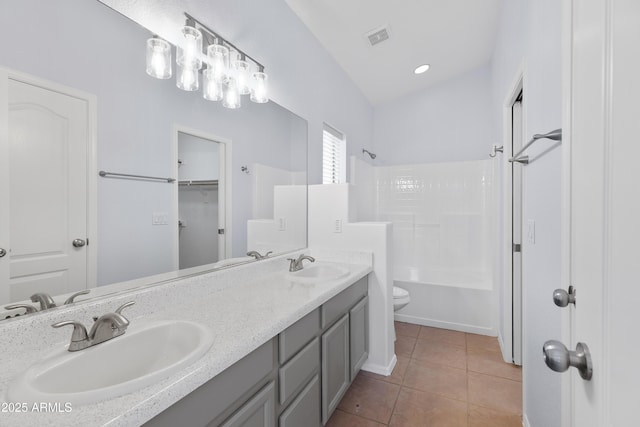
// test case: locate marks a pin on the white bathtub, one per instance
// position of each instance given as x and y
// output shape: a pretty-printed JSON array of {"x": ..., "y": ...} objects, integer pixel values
[{"x": 451, "y": 299}]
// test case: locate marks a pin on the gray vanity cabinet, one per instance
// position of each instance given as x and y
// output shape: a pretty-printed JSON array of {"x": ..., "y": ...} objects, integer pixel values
[
  {"x": 344, "y": 343},
  {"x": 336, "y": 375},
  {"x": 294, "y": 380},
  {"x": 359, "y": 333}
]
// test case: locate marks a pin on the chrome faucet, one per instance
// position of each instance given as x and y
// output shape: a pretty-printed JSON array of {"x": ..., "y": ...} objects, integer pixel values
[
  {"x": 45, "y": 300},
  {"x": 257, "y": 255},
  {"x": 104, "y": 328},
  {"x": 296, "y": 264}
]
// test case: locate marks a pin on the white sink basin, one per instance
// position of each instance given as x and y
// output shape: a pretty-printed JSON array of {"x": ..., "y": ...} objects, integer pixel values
[
  {"x": 319, "y": 272},
  {"x": 145, "y": 354}
]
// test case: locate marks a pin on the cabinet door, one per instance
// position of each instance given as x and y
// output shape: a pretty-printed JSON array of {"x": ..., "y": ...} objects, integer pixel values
[
  {"x": 359, "y": 335},
  {"x": 335, "y": 366},
  {"x": 257, "y": 412}
]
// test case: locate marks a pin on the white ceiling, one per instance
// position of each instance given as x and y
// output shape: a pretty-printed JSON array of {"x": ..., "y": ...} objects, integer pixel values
[{"x": 454, "y": 36}]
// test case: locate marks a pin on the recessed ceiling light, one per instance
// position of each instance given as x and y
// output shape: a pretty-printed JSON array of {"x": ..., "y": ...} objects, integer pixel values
[{"x": 421, "y": 68}]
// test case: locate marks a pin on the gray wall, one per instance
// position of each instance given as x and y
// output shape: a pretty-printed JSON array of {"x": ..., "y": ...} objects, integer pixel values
[
  {"x": 530, "y": 34},
  {"x": 452, "y": 121}
]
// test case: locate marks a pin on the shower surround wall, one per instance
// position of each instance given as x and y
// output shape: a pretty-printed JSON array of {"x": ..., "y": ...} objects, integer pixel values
[{"x": 443, "y": 227}]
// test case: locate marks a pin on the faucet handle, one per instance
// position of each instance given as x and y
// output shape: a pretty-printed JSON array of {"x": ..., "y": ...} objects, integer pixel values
[
  {"x": 72, "y": 297},
  {"x": 123, "y": 306},
  {"x": 79, "y": 331},
  {"x": 28, "y": 307}
]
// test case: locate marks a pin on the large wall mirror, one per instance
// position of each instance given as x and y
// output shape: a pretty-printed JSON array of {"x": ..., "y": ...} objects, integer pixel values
[{"x": 75, "y": 100}]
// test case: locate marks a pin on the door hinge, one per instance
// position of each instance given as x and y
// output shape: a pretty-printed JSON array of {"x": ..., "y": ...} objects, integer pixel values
[
  {"x": 220, "y": 230},
  {"x": 517, "y": 247}
]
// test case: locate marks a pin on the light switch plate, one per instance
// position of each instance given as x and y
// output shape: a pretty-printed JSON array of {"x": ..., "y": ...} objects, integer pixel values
[{"x": 160, "y": 218}]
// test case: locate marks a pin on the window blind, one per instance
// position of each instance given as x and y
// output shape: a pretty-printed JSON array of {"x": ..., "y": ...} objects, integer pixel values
[{"x": 333, "y": 155}]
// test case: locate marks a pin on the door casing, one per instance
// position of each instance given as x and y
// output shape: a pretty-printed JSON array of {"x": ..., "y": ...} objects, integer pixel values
[{"x": 225, "y": 249}]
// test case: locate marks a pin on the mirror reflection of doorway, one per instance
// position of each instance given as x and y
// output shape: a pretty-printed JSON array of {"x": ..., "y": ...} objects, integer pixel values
[{"x": 201, "y": 163}]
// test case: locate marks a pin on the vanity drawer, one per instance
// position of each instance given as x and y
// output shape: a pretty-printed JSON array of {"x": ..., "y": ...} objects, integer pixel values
[
  {"x": 341, "y": 303},
  {"x": 297, "y": 335},
  {"x": 298, "y": 370},
  {"x": 305, "y": 409}
]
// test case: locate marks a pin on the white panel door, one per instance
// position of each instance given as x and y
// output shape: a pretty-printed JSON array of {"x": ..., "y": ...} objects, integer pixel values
[
  {"x": 47, "y": 140},
  {"x": 604, "y": 124}
]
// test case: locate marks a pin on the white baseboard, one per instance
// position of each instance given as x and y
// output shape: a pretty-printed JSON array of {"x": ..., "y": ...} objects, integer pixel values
[
  {"x": 380, "y": 369},
  {"x": 506, "y": 352},
  {"x": 472, "y": 329}
]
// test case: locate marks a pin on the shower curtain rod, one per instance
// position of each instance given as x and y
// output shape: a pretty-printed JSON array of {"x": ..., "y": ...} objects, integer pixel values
[{"x": 554, "y": 135}]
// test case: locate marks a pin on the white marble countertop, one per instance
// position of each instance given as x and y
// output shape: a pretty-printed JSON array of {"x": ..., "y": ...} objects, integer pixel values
[{"x": 244, "y": 306}]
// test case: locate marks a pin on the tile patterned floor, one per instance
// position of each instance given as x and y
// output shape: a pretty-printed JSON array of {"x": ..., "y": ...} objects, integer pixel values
[{"x": 443, "y": 378}]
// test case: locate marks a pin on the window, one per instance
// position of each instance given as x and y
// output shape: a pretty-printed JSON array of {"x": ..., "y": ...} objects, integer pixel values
[{"x": 333, "y": 156}]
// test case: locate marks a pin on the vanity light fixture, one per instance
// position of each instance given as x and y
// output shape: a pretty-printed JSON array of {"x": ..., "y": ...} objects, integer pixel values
[
  {"x": 228, "y": 73},
  {"x": 421, "y": 69}
]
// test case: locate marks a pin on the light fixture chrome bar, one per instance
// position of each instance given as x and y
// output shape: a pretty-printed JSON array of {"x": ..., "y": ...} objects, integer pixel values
[
  {"x": 126, "y": 175},
  {"x": 224, "y": 41},
  {"x": 554, "y": 135}
]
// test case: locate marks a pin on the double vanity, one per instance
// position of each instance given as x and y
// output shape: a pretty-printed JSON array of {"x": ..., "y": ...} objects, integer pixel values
[{"x": 252, "y": 345}]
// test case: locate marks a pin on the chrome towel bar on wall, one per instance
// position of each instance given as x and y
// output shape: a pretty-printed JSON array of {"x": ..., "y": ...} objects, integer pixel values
[
  {"x": 554, "y": 135},
  {"x": 126, "y": 175}
]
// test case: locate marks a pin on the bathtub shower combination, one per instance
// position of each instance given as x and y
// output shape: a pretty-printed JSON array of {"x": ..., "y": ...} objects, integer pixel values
[{"x": 443, "y": 223}]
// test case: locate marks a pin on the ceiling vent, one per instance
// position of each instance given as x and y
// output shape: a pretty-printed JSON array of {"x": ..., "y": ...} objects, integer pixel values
[{"x": 378, "y": 35}]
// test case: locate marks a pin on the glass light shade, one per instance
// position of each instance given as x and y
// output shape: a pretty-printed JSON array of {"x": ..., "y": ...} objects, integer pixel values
[
  {"x": 158, "y": 58},
  {"x": 243, "y": 77},
  {"x": 189, "y": 54},
  {"x": 260, "y": 89},
  {"x": 218, "y": 58},
  {"x": 187, "y": 78},
  {"x": 211, "y": 88},
  {"x": 234, "y": 56},
  {"x": 232, "y": 98}
]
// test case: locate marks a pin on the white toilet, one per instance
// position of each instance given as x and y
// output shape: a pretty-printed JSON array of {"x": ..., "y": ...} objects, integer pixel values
[{"x": 400, "y": 298}]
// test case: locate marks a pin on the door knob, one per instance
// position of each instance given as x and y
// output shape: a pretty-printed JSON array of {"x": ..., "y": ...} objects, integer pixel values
[
  {"x": 78, "y": 243},
  {"x": 2, "y": 252},
  {"x": 562, "y": 298},
  {"x": 559, "y": 359}
]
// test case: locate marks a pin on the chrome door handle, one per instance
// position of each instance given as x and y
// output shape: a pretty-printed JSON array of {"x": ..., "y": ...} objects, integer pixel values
[
  {"x": 2, "y": 252},
  {"x": 559, "y": 359},
  {"x": 562, "y": 298},
  {"x": 78, "y": 243}
]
